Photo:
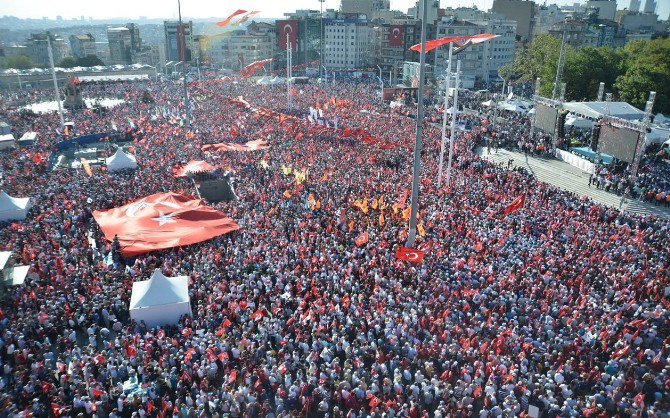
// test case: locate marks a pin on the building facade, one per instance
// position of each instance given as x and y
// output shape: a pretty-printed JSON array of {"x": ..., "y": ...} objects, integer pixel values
[
  {"x": 498, "y": 51},
  {"x": 83, "y": 45},
  {"x": 242, "y": 47},
  {"x": 347, "y": 43},
  {"x": 119, "y": 39},
  {"x": 605, "y": 9},
  {"x": 38, "y": 50},
  {"x": 520, "y": 11},
  {"x": 370, "y": 8},
  {"x": 176, "y": 48}
]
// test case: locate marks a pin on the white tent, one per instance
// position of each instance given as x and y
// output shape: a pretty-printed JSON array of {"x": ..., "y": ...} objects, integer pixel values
[
  {"x": 276, "y": 80},
  {"x": 15, "y": 276},
  {"x": 13, "y": 208},
  {"x": 120, "y": 160},
  {"x": 6, "y": 141},
  {"x": 579, "y": 123},
  {"x": 160, "y": 300},
  {"x": 263, "y": 80},
  {"x": 657, "y": 136}
]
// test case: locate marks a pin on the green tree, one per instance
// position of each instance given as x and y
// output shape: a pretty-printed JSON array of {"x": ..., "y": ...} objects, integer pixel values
[
  {"x": 647, "y": 69},
  {"x": 67, "y": 62},
  {"x": 19, "y": 62},
  {"x": 89, "y": 61},
  {"x": 587, "y": 67},
  {"x": 538, "y": 59}
]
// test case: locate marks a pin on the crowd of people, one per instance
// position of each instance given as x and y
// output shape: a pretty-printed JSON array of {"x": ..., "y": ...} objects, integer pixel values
[{"x": 559, "y": 308}]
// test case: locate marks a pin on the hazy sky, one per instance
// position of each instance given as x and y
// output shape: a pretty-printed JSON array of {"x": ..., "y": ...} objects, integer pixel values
[{"x": 209, "y": 8}]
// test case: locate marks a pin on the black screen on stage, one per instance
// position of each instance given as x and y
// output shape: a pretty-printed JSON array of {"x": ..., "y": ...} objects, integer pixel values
[
  {"x": 545, "y": 118},
  {"x": 620, "y": 143}
]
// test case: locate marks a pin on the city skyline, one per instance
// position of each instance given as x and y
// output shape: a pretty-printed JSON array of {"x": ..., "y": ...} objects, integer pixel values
[{"x": 199, "y": 9}]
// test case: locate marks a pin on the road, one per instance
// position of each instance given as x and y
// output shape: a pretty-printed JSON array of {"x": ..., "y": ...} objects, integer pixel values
[{"x": 572, "y": 179}]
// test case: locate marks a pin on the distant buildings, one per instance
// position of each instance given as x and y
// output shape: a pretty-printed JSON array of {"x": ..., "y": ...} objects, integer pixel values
[
  {"x": 605, "y": 9},
  {"x": 370, "y": 8},
  {"x": 520, "y": 11},
  {"x": 650, "y": 6},
  {"x": 347, "y": 43},
  {"x": 579, "y": 33},
  {"x": 83, "y": 45},
  {"x": 37, "y": 48},
  {"x": 120, "y": 45},
  {"x": 178, "y": 47},
  {"x": 242, "y": 47}
]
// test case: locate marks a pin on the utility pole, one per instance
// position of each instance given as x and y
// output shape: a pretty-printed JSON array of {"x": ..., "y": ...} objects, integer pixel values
[
  {"x": 321, "y": 40},
  {"x": 53, "y": 75},
  {"x": 447, "y": 81},
  {"x": 288, "y": 72},
  {"x": 411, "y": 236},
  {"x": 187, "y": 124},
  {"x": 452, "y": 139}
]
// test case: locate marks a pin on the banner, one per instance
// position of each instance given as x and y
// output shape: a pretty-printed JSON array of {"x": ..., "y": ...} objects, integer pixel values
[
  {"x": 396, "y": 35},
  {"x": 290, "y": 28}
]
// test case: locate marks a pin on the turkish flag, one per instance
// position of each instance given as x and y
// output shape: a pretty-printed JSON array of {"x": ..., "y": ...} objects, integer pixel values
[
  {"x": 230, "y": 18},
  {"x": 362, "y": 240},
  {"x": 396, "y": 34},
  {"x": 194, "y": 166},
  {"x": 163, "y": 220},
  {"x": 409, "y": 254},
  {"x": 256, "y": 145},
  {"x": 516, "y": 204},
  {"x": 251, "y": 69},
  {"x": 290, "y": 28}
]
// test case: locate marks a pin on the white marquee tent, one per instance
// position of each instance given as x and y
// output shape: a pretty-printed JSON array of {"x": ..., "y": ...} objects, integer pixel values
[
  {"x": 160, "y": 300},
  {"x": 13, "y": 208},
  {"x": 120, "y": 160}
]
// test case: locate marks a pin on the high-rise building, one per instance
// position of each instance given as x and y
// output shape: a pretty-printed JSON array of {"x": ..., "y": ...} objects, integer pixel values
[
  {"x": 521, "y": 11},
  {"x": 135, "y": 40},
  {"x": 120, "y": 45},
  {"x": 178, "y": 47},
  {"x": 433, "y": 11},
  {"x": 38, "y": 51},
  {"x": 242, "y": 47},
  {"x": 346, "y": 43},
  {"x": 635, "y": 5},
  {"x": 366, "y": 7},
  {"x": 650, "y": 6},
  {"x": 498, "y": 51},
  {"x": 606, "y": 9},
  {"x": 392, "y": 42},
  {"x": 82, "y": 45},
  {"x": 308, "y": 38}
]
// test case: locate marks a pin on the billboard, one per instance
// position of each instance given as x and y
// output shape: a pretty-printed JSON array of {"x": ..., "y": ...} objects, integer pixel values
[
  {"x": 545, "y": 118},
  {"x": 620, "y": 143}
]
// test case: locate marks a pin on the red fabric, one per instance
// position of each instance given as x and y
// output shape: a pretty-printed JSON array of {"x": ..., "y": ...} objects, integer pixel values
[
  {"x": 232, "y": 377},
  {"x": 251, "y": 69},
  {"x": 363, "y": 239},
  {"x": 459, "y": 41},
  {"x": 58, "y": 410},
  {"x": 474, "y": 40},
  {"x": 396, "y": 34},
  {"x": 409, "y": 254},
  {"x": 255, "y": 145},
  {"x": 290, "y": 28},
  {"x": 516, "y": 204},
  {"x": 160, "y": 221},
  {"x": 229, "y": 18},
  {"x": 194, "y": 166}
]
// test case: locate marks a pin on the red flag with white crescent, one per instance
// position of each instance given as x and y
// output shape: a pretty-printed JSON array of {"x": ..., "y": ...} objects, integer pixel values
[
  {"x": 409, "y": 254},
  {"x": 160, "y": 221},
  {"x": 396, "y": 34},
  {"x": 229, "y": 18},
  {"x": 516, "y": 204},
  {"x": 290, "y": 28}
]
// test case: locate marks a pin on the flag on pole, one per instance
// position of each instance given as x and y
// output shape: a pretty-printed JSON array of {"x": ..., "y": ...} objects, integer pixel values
[{"x": 516, "y": 204}]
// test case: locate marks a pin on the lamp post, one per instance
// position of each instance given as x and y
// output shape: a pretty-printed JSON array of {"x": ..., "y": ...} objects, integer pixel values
[
  {"x": 411, "y": 236},
  {"x": 453, "y": 122},
  {"x": 187, "y": 124},
  {"x": 444, "y": 115},
  {"x": 53, "y": 75},
  {"x": 321, "y": 37},
  {"x": 381, "y": 82}
]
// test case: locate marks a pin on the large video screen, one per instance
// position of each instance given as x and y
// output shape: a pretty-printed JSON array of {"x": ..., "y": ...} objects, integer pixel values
[
  {"x": 620, "y": 143},
  {"x": 545, "y": 118}
]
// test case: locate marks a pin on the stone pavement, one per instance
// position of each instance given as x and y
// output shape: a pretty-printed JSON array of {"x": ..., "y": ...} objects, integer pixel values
[{"x": 572, "y": 179}]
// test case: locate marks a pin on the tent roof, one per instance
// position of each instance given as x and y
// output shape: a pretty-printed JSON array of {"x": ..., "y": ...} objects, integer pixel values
[
  {"x": 4, "y": 257},
  {"x": 13, "y": 203},
  {"x": 122, "y": 159},
  {"x": 596, "y": 110},
  {"x": 16, "y": 275},
  {"x": 159, "y": 290}
]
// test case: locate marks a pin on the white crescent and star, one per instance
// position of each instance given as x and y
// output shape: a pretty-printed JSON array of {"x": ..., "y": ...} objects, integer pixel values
[
  {"x": 163, "y": 219},
  {"x": 288, "y": 28},
  {"x": 132, "y": 210},
  {"x": 396, "y": 31},
  {"x": 412, "y": 256}
]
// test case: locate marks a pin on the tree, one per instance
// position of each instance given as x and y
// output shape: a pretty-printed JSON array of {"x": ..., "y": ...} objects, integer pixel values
[
  {"x": 587, "y": 67},
  {"x": 647, "y": 69},
  {"x": 67, "y": 62},
  {"x": 89, "y": 61},
  {"x": 538, "y": 59},
  {"x": 19, "y": 62}
]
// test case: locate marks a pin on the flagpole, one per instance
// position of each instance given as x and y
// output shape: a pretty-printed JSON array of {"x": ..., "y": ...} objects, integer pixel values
[
  {"x": 411, "y": 237},
  {"x": 187, "y": 124},
  {"x": 453, "y": 122},
  {"x": 288, "y": 73},
  {"x": 53, "y": 75},
  {"x": 444, "y": 115}
]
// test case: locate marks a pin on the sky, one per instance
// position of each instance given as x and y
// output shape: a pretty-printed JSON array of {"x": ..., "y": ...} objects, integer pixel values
[{"x": 101, "y": 9}]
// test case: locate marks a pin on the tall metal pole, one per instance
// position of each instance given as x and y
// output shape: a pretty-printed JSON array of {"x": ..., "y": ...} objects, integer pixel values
[
  {"x": 532, "y": 120},
  {"x": 445, "y": 116},
  {"x": 453, "y": 122},
  {"x": 559, "y": 68},
  {"x": 601, "y": 91},
  {"x": 641, "y": 142},
  {"x": 381, "y": 82},
  {"x": 321, "y": 40},
  {"x": 187, "y": 124},
  {"x": 411, "y": 236},
  {"x": 288, "y": 72},
  {"x": 53, "y": 75}
]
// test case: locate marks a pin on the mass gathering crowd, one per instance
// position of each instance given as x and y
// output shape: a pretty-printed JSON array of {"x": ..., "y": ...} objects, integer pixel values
[{"x": 558, "y": 309}]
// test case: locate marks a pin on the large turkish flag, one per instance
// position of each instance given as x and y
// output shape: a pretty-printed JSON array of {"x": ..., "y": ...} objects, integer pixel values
[
  {"x": 396, "y": 33},
  {"x": 160, "y": 221},
  {"x": 290, "y": 28},
  {"x": 255, "y": 145},
  {"x": 194, "y": 166}
]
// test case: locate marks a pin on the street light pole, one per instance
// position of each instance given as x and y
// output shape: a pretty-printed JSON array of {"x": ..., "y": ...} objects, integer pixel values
[
  {"x": 381, "y": 82},
  {"x": 416, "y": 171},
  {"x": 444, "y": 115},
  {"x": 53, "y": 75},
  {"x": 187, "y": 124},
  {"x": 321, "y": 38},
  {"x": 453, "y": 122}
]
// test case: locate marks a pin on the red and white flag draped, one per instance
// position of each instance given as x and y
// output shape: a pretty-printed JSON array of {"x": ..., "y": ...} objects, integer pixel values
[
  {"x": 160, "y": 221},
  {"x": 229, "y": 19},
  {"x": 251, "y": 69},
  {"x": 396, "y": 34},
  {"x": 194, "y": 166},
  {"x": 288, "y": 29},
  {"x": 256, "y": 145},
  {"x": 459, "y": 41}
]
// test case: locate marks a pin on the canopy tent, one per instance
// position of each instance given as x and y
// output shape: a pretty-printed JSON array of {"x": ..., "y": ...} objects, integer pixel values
[
  {"x": 264, "y": 80},
  {"x": 13, "y": 208},
  {"x": 276, "y": 80},
  {"x": 15, "y": 276},
  {"x": 577, "y": 122},
  {"x": 160, "y": 300},
  {"x": 120, "y": 160},
  {"x": 595, "y": 110},
  {"x": 488, "y": 103},
  {"x": 6, "y": 141},
  {"x": 657, "y": 136},
  {"x": 661, "y": 119}
]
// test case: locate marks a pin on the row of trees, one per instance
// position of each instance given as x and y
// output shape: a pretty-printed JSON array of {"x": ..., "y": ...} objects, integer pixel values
[
  {"x": 630, "y": 73},
  {"x": 23, "y": 62}
]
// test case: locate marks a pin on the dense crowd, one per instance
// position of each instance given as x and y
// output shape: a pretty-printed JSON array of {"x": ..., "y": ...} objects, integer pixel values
[{"x": 560, "y": 306}]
